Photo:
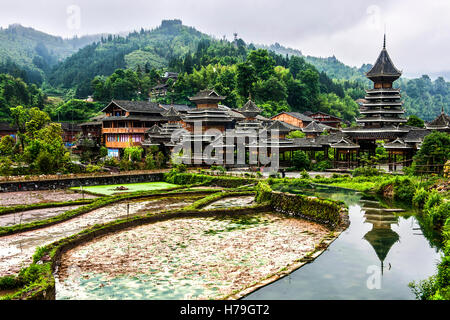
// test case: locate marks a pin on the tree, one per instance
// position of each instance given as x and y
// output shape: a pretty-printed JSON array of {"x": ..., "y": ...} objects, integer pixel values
[
  {"x": 262, "y": 62},
  {"x": 296, "y": 135},
  {"x": 19, "y": 118},
  {"x": 133, "y": 153},
  {"x": 7, "y": 144},
  {"x": 37, "y": 120},
  {"x": 296, "y": 64},
  {"x": 300, "y": 160},
  {"x": 415, "y": 121},
  {"x": 246, "y": 76},
  {"x": 435, "y": 151},
  {"x": 271, "y": 89}
]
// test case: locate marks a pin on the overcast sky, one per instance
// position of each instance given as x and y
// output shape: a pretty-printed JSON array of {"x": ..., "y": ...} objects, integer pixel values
[{"x": 418, "y": 31}]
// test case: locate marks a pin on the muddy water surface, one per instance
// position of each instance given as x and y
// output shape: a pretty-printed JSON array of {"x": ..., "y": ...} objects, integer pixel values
[
  {"x": 189, "y": 258},
  {"x": 29, "y": 197},
  {"x": 232, "y": 202},
  {"x": 32, "y": 215}
]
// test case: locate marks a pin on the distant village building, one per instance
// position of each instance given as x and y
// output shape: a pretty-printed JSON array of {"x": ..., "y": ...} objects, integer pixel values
[
  {"x": 71, "y": 131},
  {"x": 441, "y": 123},
  {"x": 325, "y": 118},
  {"x": 237, "y": 137},
  {"x": 126, "y": 122},
  {"x": 6, "y": 129},
  {"x": 160, "y": 90},
  {"x": 295, "y": 119}
]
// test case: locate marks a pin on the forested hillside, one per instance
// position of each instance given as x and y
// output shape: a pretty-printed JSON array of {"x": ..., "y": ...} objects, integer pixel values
[
  {"x": 127, "y": 67},
  {"x": 35, "y": 52},
  {"x": 151, "y": 48}
]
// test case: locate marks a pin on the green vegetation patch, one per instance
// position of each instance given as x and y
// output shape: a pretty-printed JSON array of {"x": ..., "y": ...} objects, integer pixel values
[{"x": 125, "y": 188}]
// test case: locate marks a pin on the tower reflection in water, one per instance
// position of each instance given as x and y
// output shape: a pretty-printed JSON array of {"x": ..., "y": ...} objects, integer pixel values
[{"x": 381, "y": 237}]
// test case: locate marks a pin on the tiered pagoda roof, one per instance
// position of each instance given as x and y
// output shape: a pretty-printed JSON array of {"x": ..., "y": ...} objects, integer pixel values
[
  {"x": 382, "y": 107},
  {"x": 136, "y": 106},
  {"x": 441, "y": 123},
  {"x": 280, "y": 126},
  {"x": 250, "y": 110},
  {"x": 383, "y": 70},
  {"x": 208, "y": 115},
  {"x": 172, "y": 114},
  {"x": 207, "y": 96}
]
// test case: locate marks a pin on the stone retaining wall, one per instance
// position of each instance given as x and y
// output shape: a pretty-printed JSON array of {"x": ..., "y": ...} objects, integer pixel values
[{"x": 65, "y": 183}]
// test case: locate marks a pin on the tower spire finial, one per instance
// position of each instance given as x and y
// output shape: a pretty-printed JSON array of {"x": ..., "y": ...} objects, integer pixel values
[{"x": 384, "y": 41}]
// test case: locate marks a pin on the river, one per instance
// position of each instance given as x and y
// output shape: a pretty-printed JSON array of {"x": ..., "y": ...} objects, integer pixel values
[{"x": 374, "y": 259}]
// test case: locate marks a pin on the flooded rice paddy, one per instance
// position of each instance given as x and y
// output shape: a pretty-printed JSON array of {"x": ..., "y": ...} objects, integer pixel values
[
  {"x": 12, "y": 219},
  {"x": 232, "y": 202},
  {"x": 16, "y": 250},
  {"x": 8, "y": 199},
  {"x": 186, "y": 258}
]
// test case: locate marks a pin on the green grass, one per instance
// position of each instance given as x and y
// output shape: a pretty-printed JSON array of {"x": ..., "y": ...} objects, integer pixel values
[{"x": 133, "y": 187}]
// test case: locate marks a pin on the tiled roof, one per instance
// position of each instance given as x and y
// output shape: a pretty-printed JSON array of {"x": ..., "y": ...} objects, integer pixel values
[
  {"x": 442, "y": 120},
  {"x": 137, "y": 106},
  {"x": 171, "y": 113},
  {"x": 207, "y": 95},
  {"x": 384, "y": 67},
  {"x": 297, "y": 115},
  {"x": 316, "y": 127},
  {"x": 345, "y": 143}
]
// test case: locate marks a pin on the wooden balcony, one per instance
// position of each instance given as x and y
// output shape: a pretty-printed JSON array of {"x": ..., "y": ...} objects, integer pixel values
[
  {"x": 124, "y": 130},
  {"x": 121, "y": 145}
]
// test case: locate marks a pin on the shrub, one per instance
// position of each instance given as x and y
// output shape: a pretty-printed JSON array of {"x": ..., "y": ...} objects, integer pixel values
[
  {"x": 438, "y": 214},
  {"x": 304, "y": 175},
  {"x": 93, "y": 168},
  {"x": 30, "y": 274},
  {"x": 434, "y": 199},
  {"x": 322, "y": 165},
  {"x": 8, "y": 282},
  {"x": 404, "y": 190},
  {"x": 263, "y": 192},
  {"x": 125, "y": 165},
  {"x": 5, "y": 167},
  {"x": 111, "y": 162},
  {"x": 420, "y": 196},
  {"x": 160, "y": 160},
  {"x": 150, "y": 162},
  {"x": 274, "y": 174},
  {"x": 133, "y": 153},
  {"x": 103, "y": 152},
  {"x": 301, "y": 161},
  {"x": 423, "y": 290},
  {"x": 365, "y": 172},
  {"x": 218, "y": 168}
]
